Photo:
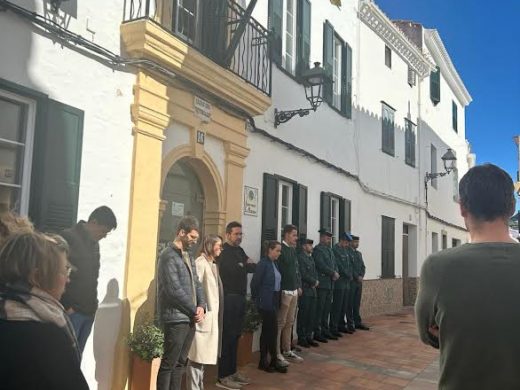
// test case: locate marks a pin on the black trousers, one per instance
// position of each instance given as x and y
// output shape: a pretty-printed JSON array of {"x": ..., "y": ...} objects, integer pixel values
[
  {"x": 323, "y": 303},
  {"x": 356, "y": 302},
  {"x": 306, "y": 315},
  {"x": 268, "y": 337},
  {"x": 338, "y": 309},
  {"x": 234, "y": 311},
  {"x": 177, "y": 343},
  {"x": 347, "y": 320}
]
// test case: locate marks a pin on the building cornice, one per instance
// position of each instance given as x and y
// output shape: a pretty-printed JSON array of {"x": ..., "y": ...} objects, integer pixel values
[
  {"x": 442, "y": 59},
  {"x": 376, "y": 20}
]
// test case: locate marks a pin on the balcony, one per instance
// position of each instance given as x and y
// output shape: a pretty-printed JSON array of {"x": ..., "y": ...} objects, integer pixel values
[{"x": 211, "y": 43}]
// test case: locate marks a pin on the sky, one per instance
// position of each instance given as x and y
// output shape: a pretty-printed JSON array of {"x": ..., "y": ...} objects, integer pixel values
[{"x": 484, "y": 46}]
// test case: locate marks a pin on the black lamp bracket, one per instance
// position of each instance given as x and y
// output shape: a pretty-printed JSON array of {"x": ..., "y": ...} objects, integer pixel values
[{"x": 285, "y": 116}]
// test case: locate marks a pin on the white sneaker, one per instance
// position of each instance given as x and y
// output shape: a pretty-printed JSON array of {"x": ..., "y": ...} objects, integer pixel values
[
  {"x": 281, "y": 361},
  {"x": 293, "y": 357}
]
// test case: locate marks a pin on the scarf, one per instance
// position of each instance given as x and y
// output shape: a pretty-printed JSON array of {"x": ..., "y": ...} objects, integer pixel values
[{"x": 24, "y": 303}]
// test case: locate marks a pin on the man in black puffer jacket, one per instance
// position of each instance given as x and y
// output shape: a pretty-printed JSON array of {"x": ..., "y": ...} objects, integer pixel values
[{"x": 181, "y": 303}]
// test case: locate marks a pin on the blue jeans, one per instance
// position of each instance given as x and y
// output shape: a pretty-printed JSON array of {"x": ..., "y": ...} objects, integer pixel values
[{"x": 82, "y": 325}]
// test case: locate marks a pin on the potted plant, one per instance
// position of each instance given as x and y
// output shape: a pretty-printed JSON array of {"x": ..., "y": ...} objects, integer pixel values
[
  {"x": 146, "y": 344},
  {"x": 252, "y": 322}
]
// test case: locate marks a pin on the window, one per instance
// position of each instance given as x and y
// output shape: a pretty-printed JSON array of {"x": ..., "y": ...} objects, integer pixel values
[
  {"x": 337, "y": 62},
  {"x": 289, "y": 44},
  {"x": 388, "y": 130},
  {"x": 435, "y": 86},
  {"x": 444, "y": 241},
  {"x": 284, "y": 204},
  {"x": 337, "y": 72},
  {"x": 454, "y": 120},
  {"x": 185, "y": 19},
  {"x": 409, "y": 140},
  {"x": 16, "y": 144},
  {"x": 433, "y": 164},
  {"x": 335, "y": 214},
  {"x": 412, "y": 77},
  {"x": 455, "y": 242},
  {"x": 435, "y": 242},
  {"x": 388, "y": 247},
  {"x": 388, "y": 57}
]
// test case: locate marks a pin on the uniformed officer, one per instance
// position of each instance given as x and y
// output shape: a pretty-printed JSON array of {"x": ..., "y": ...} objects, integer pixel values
[
  {"x": 359, "y": 274},
  {"x": 346, "y": 321},
  {"x": 341, "y": 286},
  {"x": 327, "y": 275},
  {"x": 307, "y": 303}
]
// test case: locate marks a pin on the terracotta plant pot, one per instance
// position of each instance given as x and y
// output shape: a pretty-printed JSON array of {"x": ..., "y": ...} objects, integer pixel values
[
  {"x": 144, "y": 374},
  {"x": 245, "y": 349}
]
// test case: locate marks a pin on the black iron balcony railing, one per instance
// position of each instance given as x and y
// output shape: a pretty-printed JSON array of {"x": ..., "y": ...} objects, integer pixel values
[{"x": 214, "y": 28}]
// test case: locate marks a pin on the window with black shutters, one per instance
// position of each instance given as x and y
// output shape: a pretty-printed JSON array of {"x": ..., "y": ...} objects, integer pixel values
[
  {"x": 337, "y": 63},
  {"x": 388, "y": 57},
  {"x": 444, "y": 240},
  {"x": 388, "y": 247},
  {"x": 435, "y": 86},
  {"x": 335, "y": 214},
  {"x": 454, "y": 117},
  {"x": 433, "y": 164},
  {"x": 409, "y": 140},
  {"x": 388, "y": 136},
  {"x": 435, "y": 242},
  {"x": 284, "y": 202}
]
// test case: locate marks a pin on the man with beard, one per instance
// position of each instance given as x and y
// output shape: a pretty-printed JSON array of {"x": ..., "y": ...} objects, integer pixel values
[{"x": 181, "y": 303}]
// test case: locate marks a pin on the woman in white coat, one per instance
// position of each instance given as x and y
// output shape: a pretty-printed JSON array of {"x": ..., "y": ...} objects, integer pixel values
[{"x": 205, "y": 348}]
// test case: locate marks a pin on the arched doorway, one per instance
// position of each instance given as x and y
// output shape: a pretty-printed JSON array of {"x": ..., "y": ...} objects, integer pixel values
[{"x": 182, "y": 195}]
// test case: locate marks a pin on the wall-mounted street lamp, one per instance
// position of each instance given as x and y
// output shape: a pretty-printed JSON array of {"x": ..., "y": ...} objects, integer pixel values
[{"x": 313, "y": 81}]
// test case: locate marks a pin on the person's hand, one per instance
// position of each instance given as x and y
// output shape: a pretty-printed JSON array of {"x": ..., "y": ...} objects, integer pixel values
[
  {"x": 434, "y": 331},
  {"x": 335, "y": 276},
  {"x": 250, "y": 261},
  {"x": 316, "y": 284},
  {"x": 300, "y": 292},
  {"x": 360, "y": 279},
  {"x": 70, "y": 310},
  {"x": 199, "y": 315}
]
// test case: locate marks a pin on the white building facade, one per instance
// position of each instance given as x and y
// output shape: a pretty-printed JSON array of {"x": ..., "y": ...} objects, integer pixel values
[{"x": 359, "y": 162}]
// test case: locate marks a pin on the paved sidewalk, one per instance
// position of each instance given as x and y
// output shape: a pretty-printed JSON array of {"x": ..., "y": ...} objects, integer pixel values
[{"x": 389, "y": 356}]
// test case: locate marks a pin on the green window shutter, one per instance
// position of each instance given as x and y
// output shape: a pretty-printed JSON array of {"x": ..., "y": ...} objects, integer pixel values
[
  {"x": 454, "y": 116},
  {"x": 303, "y": 46},
  {"x": 346, "y": 92},
  {"x": 56, "y": 168},
  {"x": 275, "y": 26},
  {"x": 325, "y": 211},
  {"x": 328, "y": 66},
  {"x": 388, "y": 247},
  {"x": 300, "y": 209},
  {"x": 435, "y": 86},
  {"x": 215, "y": 30},
  {"x": 344, "y": 216},
  {"x": 270, "y": 208},
  {"x": 412, "y": 142}
]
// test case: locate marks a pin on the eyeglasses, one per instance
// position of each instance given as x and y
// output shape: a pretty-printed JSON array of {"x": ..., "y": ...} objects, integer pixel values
[{"x": 69, "y": 268}]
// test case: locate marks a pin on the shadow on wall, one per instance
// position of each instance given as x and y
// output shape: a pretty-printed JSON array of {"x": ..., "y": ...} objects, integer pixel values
[{"x": 110, "y": 331}]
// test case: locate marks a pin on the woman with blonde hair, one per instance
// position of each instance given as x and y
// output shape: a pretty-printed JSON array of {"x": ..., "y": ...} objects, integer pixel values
[
  {"x": 205, "y": 348},
  {"x": 39, "y": 349}
]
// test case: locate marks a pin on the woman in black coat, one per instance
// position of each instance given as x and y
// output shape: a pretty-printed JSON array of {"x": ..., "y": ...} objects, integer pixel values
[
  {"x": 265, "y": 290},
  {"x": 38, "y": 347}
]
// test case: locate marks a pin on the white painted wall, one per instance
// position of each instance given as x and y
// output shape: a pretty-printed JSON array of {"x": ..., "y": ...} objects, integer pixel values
[{"x": 32, "y": 60}]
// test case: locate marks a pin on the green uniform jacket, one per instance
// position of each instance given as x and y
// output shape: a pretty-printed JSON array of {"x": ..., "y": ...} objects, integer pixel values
[
  {"x": 308, "y": 273},
  {"x": 359, "y": 264},
  {"x": 325, "y": 265},
  {"x": 288, "y": 267},
  {"x": 344, "y": 267}
]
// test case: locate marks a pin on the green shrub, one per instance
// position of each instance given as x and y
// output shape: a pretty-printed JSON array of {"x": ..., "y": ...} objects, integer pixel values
[
  {"x": 147, "y": 342},
  {"x": 252, "y": 319}
]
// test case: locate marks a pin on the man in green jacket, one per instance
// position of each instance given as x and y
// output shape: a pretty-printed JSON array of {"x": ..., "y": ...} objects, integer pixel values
[
  {"x": 342, "y": 285},
  {"x": 291, "y": 290},
  {"x": 359, "y": 274},
  {"x": 327, "y": 275},
  {"x": 307, "y": 302}
]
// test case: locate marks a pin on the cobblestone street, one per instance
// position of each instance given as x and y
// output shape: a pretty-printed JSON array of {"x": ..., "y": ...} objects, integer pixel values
[{"x": 389, "y": 356}]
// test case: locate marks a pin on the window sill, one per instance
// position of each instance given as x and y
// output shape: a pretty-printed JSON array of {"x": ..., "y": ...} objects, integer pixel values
[
  {"x": 411, "y": 165},
  {"x": 388, "y": 153}
]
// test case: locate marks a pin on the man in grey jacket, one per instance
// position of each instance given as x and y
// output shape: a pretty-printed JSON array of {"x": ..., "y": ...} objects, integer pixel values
[{"x": 181, "y": 303}]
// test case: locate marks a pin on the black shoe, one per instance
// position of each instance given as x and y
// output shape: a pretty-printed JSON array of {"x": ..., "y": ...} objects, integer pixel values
[
  {"x": 266, "y": 368},
  {"x": 330, "y": 336},
  {"x": 336, "y": 334},
  {"x": 344, "y": 330},
  {"x": 321, "y": 339},
  {"x": 280, "y": 369},
  {"x": 303, "y": 343},
  {"x": 362, "y": 327},
  {"x": 352, "y": 329},
  {"x": 312, "y": 343}
]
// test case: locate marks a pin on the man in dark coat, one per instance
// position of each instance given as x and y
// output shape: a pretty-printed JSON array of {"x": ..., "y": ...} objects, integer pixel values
[
  {"x": 80, "y": 297},
  {"x": 307, "y": 302},
  {"x": 359, "y": 274}
]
